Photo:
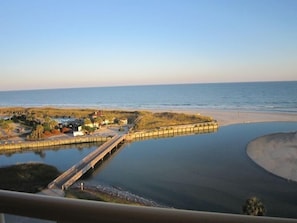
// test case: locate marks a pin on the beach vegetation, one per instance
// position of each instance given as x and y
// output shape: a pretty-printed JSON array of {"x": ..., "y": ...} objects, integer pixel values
[
  {"x": 37, "y": 133},
  {"x": 66, "y": 112},
  {"x": 27, "y": 177},
  {"x": 254, "y": 206},
  {"x": 41, "y": 120},
  {"x": 6, "y": 125},
  {"x": 150, "y": 120},
  {"x": 87, "y": 121}
]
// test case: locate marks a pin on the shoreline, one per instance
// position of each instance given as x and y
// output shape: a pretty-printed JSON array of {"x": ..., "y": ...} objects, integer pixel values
[
  {"x": 236, "y": 117},
  {"x": 276, "y": 153},
  {"x": 284, "y": 152},
  {"x": 230, "y": 117},
  {"x": 223, "y": 116}
]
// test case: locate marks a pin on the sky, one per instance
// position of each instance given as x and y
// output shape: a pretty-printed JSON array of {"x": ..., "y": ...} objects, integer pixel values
[{"x": 86, "y": 43}]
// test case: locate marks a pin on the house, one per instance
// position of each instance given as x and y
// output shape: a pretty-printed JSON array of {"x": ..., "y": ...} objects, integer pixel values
[{"x": 78, "y": 131}]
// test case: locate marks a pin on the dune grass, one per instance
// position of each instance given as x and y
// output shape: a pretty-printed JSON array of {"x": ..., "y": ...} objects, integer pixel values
[{"x": 149, "y": 120}]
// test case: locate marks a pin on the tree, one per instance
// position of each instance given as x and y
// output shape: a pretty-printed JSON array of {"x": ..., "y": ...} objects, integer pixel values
[
  {"x": 6, "y": 125},
  {"x": 253, "y": 206},
  {"x": 37, "y": 133},
  {"x": 49, "y": 124},
  {"x": 87, "y": 121}
]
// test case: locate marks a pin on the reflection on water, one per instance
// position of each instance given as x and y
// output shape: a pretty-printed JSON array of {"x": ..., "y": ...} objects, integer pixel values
[
  {"x": 62, "y": 157},
  {"x": 41, "y": 153}
]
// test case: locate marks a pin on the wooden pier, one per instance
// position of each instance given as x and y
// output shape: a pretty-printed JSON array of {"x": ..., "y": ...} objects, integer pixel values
[{"x": 70, "y": 176}]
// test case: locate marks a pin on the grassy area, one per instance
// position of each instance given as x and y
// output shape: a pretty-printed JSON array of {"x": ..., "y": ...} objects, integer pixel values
[
  {"x": 145, "y": 119},
  {"x": 30, "y": 177},
  {"x": 66, "y": 112},
  {"x": 149, "y": 120}
]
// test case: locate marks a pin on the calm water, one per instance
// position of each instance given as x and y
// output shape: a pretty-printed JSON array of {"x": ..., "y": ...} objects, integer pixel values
[
  {"x": 259, "y": 96},
  {"x": 202, "y": 172},
  {"x": 209, "y": 172},
  {"x": 60, "y": 157}
]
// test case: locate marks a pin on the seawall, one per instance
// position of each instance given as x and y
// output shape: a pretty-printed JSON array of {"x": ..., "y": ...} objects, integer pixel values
[
  {"x": 174, "y": 131},
  {"x": 52, "y": 142},
  {"x": 138, "y": 135}
]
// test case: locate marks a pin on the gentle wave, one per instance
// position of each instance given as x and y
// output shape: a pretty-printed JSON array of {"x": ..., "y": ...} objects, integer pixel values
[{"x": 262, "y": 96}]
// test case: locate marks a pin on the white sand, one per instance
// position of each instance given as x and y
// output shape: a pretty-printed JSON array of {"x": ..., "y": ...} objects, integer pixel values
[{"x": 234, "y": 117}]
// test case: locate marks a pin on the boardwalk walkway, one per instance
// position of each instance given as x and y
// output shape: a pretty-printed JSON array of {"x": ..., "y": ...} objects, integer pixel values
[{"x": 70, "y": 176}]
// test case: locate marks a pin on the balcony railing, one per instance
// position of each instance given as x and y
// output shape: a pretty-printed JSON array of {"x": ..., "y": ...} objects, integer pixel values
[{"x": 64, "y": 210}]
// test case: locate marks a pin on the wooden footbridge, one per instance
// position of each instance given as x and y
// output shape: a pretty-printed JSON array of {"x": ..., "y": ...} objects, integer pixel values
[{"x": 70, "y": 176}]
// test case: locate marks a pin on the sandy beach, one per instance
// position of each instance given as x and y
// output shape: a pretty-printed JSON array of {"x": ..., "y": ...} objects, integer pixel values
[
  {"x": 229, "y": 117},
  {"x": 235, "y": 117}
]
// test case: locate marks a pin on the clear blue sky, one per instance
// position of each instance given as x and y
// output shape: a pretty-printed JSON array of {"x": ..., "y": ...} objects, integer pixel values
[{"x": 81, "y": 43}]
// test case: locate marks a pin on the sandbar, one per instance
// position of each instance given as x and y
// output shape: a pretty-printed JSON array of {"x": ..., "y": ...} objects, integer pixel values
[{"x": 277, "y": 153}]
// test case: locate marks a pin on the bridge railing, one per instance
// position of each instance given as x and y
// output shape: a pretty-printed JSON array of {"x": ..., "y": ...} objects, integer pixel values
[{"x": 68, "y": 210}]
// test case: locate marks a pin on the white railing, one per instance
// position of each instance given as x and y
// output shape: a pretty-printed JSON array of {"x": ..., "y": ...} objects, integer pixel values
[{"x": 64, "y": 210}]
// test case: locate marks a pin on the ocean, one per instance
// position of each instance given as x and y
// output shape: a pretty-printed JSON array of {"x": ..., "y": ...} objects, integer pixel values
[{"x": 256, "y": 96}]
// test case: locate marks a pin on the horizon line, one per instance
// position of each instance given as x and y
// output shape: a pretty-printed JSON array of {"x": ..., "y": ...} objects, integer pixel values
[{"x": 146, "y": 85}]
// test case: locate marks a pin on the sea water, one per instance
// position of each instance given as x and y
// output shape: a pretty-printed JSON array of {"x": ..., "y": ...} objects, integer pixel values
[{"x": 257, "y": 96}]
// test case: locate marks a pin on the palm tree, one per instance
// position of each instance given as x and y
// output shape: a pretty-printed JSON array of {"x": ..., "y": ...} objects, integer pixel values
[{"x": 253, "y": 206}]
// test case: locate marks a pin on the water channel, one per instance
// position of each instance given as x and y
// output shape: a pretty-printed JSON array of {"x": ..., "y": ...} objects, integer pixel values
[{"x": 207, "y": 172}]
